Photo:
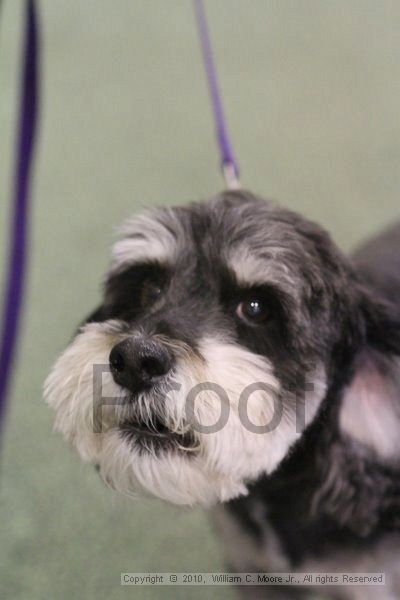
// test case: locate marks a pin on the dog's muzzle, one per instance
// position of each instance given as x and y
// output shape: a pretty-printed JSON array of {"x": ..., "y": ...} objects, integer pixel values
[{"x": 141, "y": 365}]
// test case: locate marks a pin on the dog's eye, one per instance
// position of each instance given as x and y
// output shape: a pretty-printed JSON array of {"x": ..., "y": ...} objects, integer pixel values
[
  {"x": 253, "y": 309},
  {"x": 150, "y": 293}
]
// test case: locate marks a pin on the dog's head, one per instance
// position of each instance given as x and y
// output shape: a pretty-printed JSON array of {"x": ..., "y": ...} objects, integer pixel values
[{"x": 221, "y": 326}]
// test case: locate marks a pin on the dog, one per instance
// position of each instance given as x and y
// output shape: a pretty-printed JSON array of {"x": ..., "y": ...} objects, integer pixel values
[{"x": 246, "y": 365}]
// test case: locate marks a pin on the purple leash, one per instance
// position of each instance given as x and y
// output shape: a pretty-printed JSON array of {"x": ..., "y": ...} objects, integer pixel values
[
  {"x": 229, "y": 164},
  {"x": 19, "y": 226}
]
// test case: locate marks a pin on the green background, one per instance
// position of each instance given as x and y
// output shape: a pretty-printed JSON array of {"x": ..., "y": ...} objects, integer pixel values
[{"x": 312, "y": 91}]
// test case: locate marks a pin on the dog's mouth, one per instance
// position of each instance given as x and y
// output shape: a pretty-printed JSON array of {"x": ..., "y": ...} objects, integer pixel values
[{"x": 156, "y": 435}]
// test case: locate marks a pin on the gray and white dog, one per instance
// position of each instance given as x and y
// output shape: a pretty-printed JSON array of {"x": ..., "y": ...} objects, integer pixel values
[{"x": 246, "y": 364}]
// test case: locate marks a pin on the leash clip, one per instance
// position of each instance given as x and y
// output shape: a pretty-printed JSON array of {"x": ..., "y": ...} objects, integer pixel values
[{"x": 230, "y": 175}]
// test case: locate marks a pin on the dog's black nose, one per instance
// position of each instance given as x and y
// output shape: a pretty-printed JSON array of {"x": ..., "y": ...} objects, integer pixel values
[{"x": 138, "y": 363}]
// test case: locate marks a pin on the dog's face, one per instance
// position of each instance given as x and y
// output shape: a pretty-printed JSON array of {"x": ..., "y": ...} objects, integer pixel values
[{"x": 216, "y": 335}]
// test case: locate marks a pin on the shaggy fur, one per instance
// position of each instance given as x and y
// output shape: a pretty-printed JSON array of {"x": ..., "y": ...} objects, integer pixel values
[{"x": 288, "y": 414}]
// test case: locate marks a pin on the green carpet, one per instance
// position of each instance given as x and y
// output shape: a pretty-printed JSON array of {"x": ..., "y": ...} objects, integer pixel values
[{"x": 312, "y": 90}]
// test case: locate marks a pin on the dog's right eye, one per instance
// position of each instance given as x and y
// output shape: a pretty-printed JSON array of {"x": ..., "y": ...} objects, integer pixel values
[
  {"x": 151, "y": 292},
  {"x": 137, "y": 288}
]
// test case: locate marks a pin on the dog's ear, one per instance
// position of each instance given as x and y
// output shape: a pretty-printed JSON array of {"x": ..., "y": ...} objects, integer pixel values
[{"x": 370, "y": 410}]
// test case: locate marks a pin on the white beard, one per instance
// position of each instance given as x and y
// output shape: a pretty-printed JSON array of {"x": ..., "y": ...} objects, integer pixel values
[{"x": 222, "y": 463}]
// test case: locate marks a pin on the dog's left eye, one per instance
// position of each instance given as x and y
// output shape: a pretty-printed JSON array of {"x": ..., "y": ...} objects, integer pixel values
[
  {"x": 150, "y": 293},
  {"x": 253, "y": 309}
]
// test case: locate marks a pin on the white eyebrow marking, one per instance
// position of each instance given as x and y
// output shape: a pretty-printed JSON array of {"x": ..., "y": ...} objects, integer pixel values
[
  {"x": 251, "y": 269},
  {"x": 145, "y": 239}
]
